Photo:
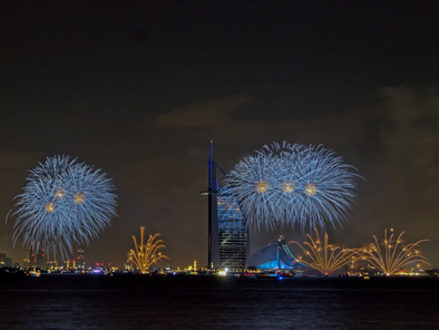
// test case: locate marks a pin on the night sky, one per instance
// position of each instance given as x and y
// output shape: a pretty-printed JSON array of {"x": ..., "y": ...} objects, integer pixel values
[{"x": 139, "y": 88}]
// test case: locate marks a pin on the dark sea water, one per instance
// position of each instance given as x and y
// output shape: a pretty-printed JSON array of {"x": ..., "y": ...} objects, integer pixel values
[{"x": 142, "y": 302}]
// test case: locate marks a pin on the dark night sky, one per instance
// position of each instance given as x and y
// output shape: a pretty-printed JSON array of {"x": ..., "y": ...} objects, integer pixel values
[{"x": 139, "y": 89}]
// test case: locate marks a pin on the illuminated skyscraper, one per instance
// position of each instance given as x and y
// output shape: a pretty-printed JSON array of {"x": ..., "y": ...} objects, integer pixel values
[
  {"x": 36, "y": 259},
  {"x": 228, "y": 235},
  {"x": 41, "y": 259},
  {"x": 80, "y": 258},
  {"x": 232, "y": 236},
  {"x": 32, "y": 257}
]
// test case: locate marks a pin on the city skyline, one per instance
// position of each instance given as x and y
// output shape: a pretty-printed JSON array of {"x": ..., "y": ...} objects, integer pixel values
[{"x": 140, "y": 91}]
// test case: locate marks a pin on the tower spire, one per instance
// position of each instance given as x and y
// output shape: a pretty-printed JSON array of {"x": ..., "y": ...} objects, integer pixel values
[
  {"x": 213, "y": 256},
  {"x": 211, "y": 166}
]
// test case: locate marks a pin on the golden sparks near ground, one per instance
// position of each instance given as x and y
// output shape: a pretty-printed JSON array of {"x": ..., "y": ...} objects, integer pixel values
[
  {"x": 324, "y": 257},
  {"x": 391, "y": 255},
  {"x": 146, "y": 255},
  {"x": 261, "y": 187}
]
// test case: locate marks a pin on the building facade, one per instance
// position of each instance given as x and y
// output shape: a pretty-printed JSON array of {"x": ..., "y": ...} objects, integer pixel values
[
  {"x": 5, "y": 261},
  {"x": 227, "y": 232},
  {"x": 276, "y": 255},
  {"x": 232, "y": 236}
]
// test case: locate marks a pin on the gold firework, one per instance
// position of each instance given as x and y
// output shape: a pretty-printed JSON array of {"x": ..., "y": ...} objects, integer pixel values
[
  {"x": 324, "y": 257},
  {"x": 59, "y": 194},
  {"x": 288, "y": 187},
  {"x": 79, "y": 198},
  {"x": 50, "y": 207},
  {"x": 261, "y": 187},
  {"x": 145, "y": 255},
  {"x": 391, "y": 255},
  {"x": 310, "y": 189}
]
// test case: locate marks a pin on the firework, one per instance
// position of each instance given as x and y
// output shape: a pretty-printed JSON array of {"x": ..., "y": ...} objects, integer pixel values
[
  {"x": 287, "y": 184},
  {"x": 392, "y": 255},
  {"x": 146, "y": 254},
  {"x": 324, "y": 257},
  {"x": 254, "y": 180},
  {"x": 64, "y": 203},
  {"x": 325, "y": 187}
]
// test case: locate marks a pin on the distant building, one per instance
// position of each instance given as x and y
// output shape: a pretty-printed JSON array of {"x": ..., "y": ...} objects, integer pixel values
[
  {"x": 5, "y": 261},
  {"x": 32, "y": 257},
  {"x": 41, "y": 259},
  {"x": 227, "y": 233},
  {"x": 36, "y": 259},
  {"x": 80, "y": 258},
  {"x": 275, "y": 255}
]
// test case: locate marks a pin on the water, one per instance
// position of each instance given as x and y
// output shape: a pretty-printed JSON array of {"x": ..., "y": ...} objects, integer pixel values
[{"x": 134, "y": 302}]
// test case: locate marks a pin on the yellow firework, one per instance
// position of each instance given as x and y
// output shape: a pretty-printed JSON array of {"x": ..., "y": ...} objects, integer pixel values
[
  {"x": 147, "y": 254},
  {"x": 392, "y": 255},
  {"x": 322, "y": 256},
  {"x": 261, "y": 187}
]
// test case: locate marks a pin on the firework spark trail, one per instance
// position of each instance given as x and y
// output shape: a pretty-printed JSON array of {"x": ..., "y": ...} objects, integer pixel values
[
  {"x": 325, "y": 187},
  {"x": 324, "y": 257},
  {"x": 391, "y": 255},
  {"x": 146, "y": 254},
  {"x": 284, "y": 184},
  {"x": 255, "y": 178},
  {"x": 64, "y": 203}
]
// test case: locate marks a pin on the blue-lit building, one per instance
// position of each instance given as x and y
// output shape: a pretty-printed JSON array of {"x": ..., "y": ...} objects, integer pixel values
[
  {"x": 227, "y": 232},
  {"x": 232, "y": 236},
  {"x": 275, "y": 255}
]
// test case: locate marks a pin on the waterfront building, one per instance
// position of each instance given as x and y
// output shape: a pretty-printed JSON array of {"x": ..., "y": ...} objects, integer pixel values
[
  {"x": 32, "y": 260},
  {"x": 36, "y": 259},
  {"x": 227, "y": 232},
  {"x": 5, "y": 261},
  {"x": 41, "y": 259},
  {"x": 80, "y": 259},
  {"x": 232, "y": 236},
  {"x": 275, "y": 255}
]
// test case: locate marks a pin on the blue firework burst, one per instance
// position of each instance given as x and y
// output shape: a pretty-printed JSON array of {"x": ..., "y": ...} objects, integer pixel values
[
  {"x": 64, "y": 203},
  {"x": 285, "y": 184},
  {"x": 253, "y": 183}
]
